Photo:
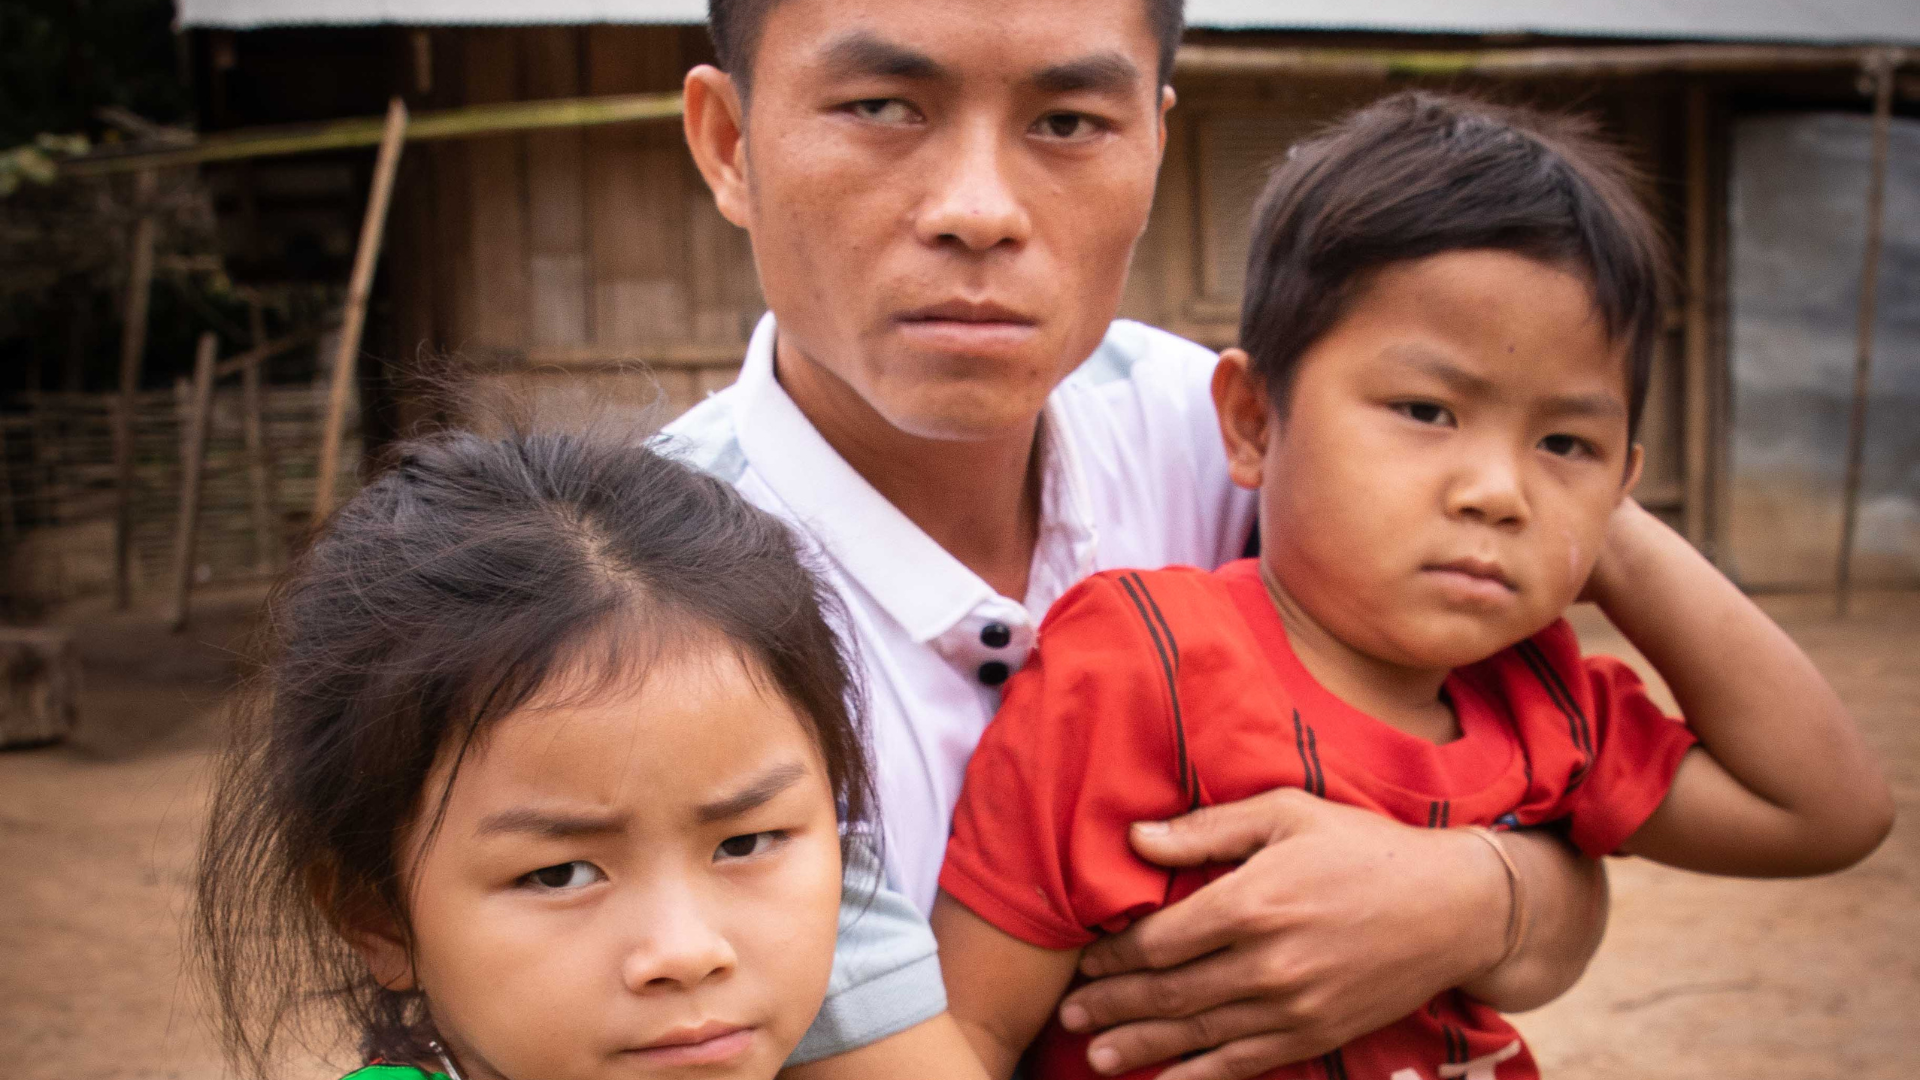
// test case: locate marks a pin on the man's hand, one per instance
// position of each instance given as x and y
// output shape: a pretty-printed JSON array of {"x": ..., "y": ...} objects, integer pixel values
[{"x": 1339, "y": 923}]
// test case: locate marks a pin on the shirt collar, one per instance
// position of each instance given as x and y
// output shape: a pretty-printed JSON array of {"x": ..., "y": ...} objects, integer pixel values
[{"x": 915, "y": 580}]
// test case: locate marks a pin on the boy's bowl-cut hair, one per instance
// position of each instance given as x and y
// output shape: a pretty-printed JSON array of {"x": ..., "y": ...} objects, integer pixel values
[{"x": 1420, "y": 173}]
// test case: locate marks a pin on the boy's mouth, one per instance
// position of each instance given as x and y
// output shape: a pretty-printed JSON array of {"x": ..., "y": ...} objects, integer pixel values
[{"x": 1476, "y": 576}]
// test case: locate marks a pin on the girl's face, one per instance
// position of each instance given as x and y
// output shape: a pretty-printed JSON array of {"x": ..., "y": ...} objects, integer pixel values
[{"x": 643, "y": 884}]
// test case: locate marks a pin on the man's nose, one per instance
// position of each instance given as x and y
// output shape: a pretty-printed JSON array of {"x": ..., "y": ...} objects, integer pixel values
[
  {"x": 680, "y": 943},
  {"x": 973, "y": 202},
  {"x": 1488, "y": 488}
]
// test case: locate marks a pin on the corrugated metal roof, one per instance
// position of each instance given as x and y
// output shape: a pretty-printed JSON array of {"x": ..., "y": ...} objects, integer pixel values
[{"x": 1835, "y": 21}]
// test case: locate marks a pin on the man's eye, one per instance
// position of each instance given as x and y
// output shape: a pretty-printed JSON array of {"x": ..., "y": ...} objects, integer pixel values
[
  {"x": 566, "y": 875},
  {"x": 883, "y": 110},
  {"x": 1424, "y": 412},
  {"x": 1066, "y": 125},
  {"x": 1566, "y": 445},
  {"x": 746, "y": 844}
]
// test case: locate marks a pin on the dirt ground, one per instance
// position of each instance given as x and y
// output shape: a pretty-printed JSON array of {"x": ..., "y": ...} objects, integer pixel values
[{"x": 1698, "y": 978}]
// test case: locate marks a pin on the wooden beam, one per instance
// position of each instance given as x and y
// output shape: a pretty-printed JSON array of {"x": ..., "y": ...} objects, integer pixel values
[
  {"x": 133, "y": 351},
  {"x": 359, "y": 286},
  {"x": 262, "y": 500},
  {"x": 1600, "y": 61},
  {"x": 464, "y": 123},
  {"x": 193, "y": 462},
  {"x": 1880, "y": 71},
  {"x": 1697, "y": 379},
  {"x": 240, "y": 362}
]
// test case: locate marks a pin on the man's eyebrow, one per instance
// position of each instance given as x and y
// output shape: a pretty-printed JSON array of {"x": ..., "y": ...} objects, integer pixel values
[
  {"x": 757, "y": 793},
  {"x": 864, "y": 53},
  {"x": 1102, "y": 73},
  {"x": 551, "y": 825}
]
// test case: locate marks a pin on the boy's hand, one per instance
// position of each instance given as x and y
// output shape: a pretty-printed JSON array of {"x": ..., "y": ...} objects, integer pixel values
[
  {"x": 1628, "y": 531},
  {"x": 1339, "y": 922}
]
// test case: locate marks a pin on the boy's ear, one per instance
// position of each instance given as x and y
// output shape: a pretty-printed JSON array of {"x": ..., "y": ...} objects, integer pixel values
[
  {"x": 1246, "y": 417},
  {"x": 1636, "y": 460},
  {"x": 714, "y": 119}
]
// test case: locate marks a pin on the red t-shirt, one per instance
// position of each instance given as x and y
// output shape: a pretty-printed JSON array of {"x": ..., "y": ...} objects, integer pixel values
[{"x": 1152, "y": 693}]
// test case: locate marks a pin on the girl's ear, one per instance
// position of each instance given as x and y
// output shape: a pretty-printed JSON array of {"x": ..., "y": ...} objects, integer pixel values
[
  {"x": 368, "y": 928},
  {"x": 1245, "y": 415}
]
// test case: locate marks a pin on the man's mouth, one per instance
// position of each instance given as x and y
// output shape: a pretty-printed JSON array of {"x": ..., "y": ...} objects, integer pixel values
[
  {"x": 711, "y": 1043},
  {"x": 985, "y": 312},
  {"x": 970, "y": 328}
]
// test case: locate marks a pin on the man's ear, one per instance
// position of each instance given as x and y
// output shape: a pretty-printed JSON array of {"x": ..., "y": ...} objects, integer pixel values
[
  {"x": 1246, "y": 417},
  {"x": 715, "y": 122},
  {"x": 1636, "y": 460}
]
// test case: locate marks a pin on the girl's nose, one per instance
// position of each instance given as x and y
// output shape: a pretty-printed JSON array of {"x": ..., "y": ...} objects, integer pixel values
[{"x": 680, "y": 945}]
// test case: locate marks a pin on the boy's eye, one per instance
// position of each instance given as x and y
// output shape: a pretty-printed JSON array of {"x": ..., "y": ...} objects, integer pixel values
[
  {"x": 1424, "y": 412},
  {"x": 883, "y": 110},
  {"x": 566, "y": 875},
  {"x": 1066, "y": 125},
  {"x": 746, "y": 844},
  {"x": 1565, "y": 445}
]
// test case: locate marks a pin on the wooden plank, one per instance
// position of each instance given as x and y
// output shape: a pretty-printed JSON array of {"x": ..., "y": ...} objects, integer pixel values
[
  {"x": 262, "y": 500},
  {"x": 495, "y": 180},
  {"x": 193, "y": 460},
  {"x": 372, "y": 229},
  {"x": 1696, "y": 432},
  {"x": 502, "y": 118},
  {"x": 1880, "y": 70},
  {"x": 556, "y": 196},
  {"x": 133, "y": 350},
  {"x": 1572, "y": 62}
]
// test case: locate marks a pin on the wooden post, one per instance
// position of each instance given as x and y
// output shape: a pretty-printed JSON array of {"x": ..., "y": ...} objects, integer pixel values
[
  {"x": 260, "y": 486},
  {"x": 372, "y": 230},
  {"x": 133, "y": 350},
  {"x": 1880, "y": 70},
  {"x": 193, "y": 460},
  {"x": 1697, "y": 431}
]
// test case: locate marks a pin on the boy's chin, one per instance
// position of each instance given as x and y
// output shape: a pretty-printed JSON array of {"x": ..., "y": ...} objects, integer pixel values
[{"x": 1457, "y": 642}]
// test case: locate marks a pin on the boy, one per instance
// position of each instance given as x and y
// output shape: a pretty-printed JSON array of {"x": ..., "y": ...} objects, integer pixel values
[{"x": 1449, "y": 325}]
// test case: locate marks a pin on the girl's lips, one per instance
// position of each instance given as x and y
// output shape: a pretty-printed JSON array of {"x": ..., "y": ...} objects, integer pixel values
[{"x": 708, "y": 1044}]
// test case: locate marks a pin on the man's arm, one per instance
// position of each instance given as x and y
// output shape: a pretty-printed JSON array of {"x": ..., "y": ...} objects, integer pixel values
[{"x": 1340, "y": 922}]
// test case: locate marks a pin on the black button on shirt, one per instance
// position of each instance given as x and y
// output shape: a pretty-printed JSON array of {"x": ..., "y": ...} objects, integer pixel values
[
  {"x": 995, "y": 635},
  {"x": 993, "y": 673}
]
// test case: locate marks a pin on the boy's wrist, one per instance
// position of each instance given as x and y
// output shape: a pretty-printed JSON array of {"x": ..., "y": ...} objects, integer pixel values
[{"x": 1631, "y": 532}]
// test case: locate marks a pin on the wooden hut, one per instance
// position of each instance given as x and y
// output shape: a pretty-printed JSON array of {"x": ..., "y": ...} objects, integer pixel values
[{"x": 560, "y": 254}]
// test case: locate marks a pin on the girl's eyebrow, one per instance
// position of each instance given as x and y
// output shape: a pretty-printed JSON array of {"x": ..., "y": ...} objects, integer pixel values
[
  {"x": 756, "y": 793},
  {"x": 550, "y": 824}
]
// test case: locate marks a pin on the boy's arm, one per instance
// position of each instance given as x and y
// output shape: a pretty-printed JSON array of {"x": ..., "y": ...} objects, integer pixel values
[
  {"x": 1785, "y": 785},
  {"x": 1000, "y": 989}
]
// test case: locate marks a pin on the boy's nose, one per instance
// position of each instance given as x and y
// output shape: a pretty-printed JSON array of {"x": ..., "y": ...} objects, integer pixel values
[
  {"x": 1488, "y": 491},
  {"x": 680, "y": 945}
]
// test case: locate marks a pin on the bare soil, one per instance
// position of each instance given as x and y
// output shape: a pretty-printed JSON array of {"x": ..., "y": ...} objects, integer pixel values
[{"x": 1699, "y": 977}]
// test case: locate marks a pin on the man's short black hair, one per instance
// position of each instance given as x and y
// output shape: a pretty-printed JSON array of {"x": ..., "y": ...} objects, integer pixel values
[
  {"x": 1418, "y": 174},
  {"x": 735, "y": 28}
]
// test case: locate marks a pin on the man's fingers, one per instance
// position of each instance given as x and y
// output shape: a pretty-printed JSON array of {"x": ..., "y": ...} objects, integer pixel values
[
  {"x": 1185, "y": 990},
  {"x": 1250, "y": 1057},
  {"x": 1150, "y": 1042},
  {"x": 1211, "y": 919},
  {"x": 1219, "y": 834}
]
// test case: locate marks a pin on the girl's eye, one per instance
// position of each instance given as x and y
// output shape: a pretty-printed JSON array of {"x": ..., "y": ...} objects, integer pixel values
[
  {"x": 1566, "y": 445},
  {"x": 1424, "y": 412},
  {"x": 883, "y": 110},
  {"x": 566, "y": 875},
  {"x": 1066, "y": 125},
  {"x": 747, "y": 844}
]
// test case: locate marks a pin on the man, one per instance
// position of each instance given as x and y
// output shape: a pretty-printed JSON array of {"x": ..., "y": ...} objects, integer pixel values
[{"x": 943, "y": 199}]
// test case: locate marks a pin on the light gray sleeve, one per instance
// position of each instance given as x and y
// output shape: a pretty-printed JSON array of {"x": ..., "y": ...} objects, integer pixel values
[{"x": 886, "y": 969}]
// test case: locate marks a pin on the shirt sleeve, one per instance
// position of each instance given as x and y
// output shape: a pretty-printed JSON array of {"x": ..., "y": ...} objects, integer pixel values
[
  {"x": 1637, "y": 749},
  {"x": 886, "y": 971},
  {"x": 1081, "y": 749}
]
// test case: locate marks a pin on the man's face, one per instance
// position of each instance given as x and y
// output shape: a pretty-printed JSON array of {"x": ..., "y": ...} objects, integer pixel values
[{"x": 944, "y": 196}]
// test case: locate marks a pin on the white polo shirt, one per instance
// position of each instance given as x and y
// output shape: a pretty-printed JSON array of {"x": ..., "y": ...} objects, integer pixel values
[{"x": 1133, "y": 475}]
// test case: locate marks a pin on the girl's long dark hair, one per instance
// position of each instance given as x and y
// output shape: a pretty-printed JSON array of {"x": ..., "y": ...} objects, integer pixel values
[{"x": 436, "y": 601}]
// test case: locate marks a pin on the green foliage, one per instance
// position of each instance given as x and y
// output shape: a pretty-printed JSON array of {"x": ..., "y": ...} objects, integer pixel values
[{"x": 62, "y": 59}]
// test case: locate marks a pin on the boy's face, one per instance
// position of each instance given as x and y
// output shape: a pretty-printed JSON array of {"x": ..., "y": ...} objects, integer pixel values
[{"x": 1440, "y": 485}]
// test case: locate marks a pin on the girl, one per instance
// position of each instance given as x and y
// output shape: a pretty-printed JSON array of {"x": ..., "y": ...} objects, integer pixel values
[{"x": 546, "y": 779}]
